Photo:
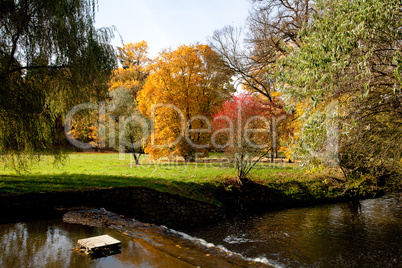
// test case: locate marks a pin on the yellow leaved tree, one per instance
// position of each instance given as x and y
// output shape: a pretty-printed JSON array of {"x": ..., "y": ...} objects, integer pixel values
[
  {"x": 185, "y": 87},
  {"x": 134, "y": 68}
]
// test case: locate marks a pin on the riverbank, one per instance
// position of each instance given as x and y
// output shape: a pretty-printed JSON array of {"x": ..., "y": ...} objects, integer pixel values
[{"x": 170, "y": 193}]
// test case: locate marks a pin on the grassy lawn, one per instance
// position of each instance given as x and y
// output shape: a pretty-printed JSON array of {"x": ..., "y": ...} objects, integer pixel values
[{"x": 195, "y": 180}]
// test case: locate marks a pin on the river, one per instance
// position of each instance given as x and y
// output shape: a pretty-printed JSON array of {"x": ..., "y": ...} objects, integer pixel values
[{"x": 354, "y": 234}]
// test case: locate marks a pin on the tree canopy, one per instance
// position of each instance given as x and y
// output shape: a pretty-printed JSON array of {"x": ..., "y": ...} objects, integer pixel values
[
  {"x": 350, "y": 59},
  {"x": 185, "y": 84},
  {"x": 242, "y": 127},
  {"x": 51, "y": 58},
  {"x": 134, "y": 68},
  {"x": 132, "y": 128}
]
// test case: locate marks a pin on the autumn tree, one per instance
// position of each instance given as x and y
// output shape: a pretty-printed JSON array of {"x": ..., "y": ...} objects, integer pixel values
[
  {"x": 351, "y": 59},
  {"x": 51, "y": 58},
  {"x": 134, "y": 68},
  {"x": 130, "y": 77},
  {"x": 252, "y": 54},
  {"x": 85, "y": 129},
  {"x": 253, "y": 74},
  {"x": 241, "y": 126},
  {"x": 183, "y": 90}
]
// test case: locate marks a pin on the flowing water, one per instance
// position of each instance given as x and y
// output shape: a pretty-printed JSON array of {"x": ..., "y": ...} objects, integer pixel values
[{"x": 354, "y": 234}]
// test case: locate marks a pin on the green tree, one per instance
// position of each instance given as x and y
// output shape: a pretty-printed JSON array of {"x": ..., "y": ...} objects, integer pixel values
[
  {"x": 51, "y": 58},
  {"x": 350, "y": 57},
  {"x": 133, "y": 128}
]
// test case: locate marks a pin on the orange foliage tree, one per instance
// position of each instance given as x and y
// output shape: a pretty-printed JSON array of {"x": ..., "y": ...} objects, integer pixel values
[
  {"x": 183, "y": 90},
  {"x": 134, "y": 68},
  {"x": 85, "y": 128}
]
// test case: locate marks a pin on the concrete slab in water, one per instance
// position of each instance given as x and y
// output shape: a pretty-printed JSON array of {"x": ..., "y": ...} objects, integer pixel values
[{"x": 97, "y": 242}]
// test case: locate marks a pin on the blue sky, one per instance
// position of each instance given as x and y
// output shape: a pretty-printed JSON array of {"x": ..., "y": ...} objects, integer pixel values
[{"x": 164, "y": 23}]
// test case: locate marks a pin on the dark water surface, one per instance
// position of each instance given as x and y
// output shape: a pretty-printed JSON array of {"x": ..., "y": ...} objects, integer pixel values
[
  {"x": 51, "y": 243},
  {"x": 355, "y": 234}
]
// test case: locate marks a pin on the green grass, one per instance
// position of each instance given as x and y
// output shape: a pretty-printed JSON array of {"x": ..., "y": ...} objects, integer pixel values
[
  {"x": 103, "y": 170},
  {"x": 195, "y": 180}
]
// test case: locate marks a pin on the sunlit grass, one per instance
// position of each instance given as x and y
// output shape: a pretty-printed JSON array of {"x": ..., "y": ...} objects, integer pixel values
[
  {"x": 88, "y": 170},
  {"x": 197, "y": 180}
]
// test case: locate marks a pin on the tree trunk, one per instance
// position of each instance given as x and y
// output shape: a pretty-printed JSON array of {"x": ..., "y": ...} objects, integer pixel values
[
  {"x": 272, "y": 139},
  {"x": 137, "y": 159}
]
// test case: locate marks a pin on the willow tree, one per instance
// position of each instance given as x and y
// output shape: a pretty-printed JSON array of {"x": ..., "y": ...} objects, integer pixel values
[
  {"x": 351, "y": 60},
  {"x": 51, "y": 58}
]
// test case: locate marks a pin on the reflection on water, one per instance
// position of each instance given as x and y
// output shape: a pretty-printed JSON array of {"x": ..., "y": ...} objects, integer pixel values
[
  {"x": 354, "y": 234},
  {"x": 50, "y": 243}
]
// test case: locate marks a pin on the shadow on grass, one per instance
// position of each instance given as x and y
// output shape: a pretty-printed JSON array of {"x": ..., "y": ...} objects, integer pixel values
[
  {"x": 21, "y": 184},
  {"x": 276, "y": 191}
]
